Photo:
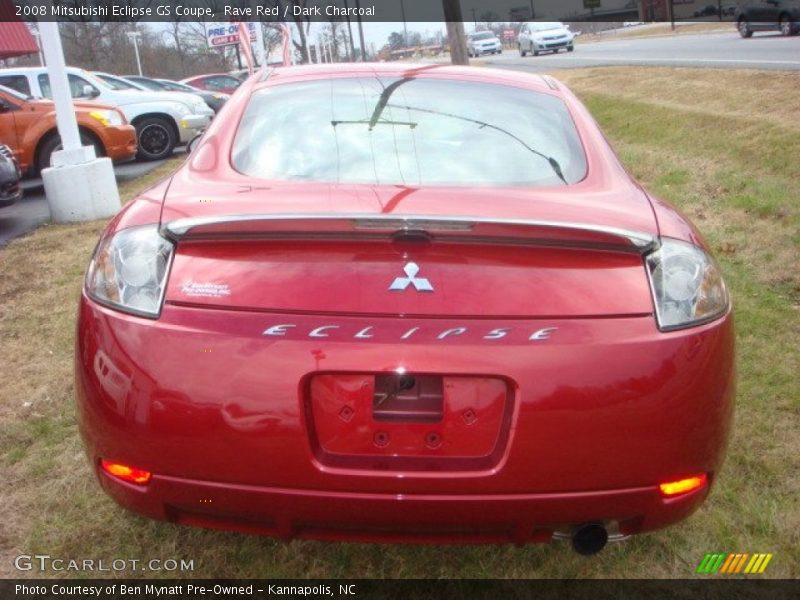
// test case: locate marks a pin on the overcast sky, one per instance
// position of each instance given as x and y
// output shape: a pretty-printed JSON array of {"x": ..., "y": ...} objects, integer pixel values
[{"x": 374, "y": 33}]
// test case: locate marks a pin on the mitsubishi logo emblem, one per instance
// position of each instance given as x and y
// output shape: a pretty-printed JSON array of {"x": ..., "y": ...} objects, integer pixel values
[{"x": 421, "y": 284}]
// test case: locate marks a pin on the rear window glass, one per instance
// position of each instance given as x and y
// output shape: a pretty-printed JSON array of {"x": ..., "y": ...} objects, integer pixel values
[{"x": 410, "y": 131}]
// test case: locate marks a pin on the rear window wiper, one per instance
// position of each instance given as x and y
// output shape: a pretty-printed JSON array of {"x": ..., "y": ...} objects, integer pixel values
[{"x": 372, "y": 124}]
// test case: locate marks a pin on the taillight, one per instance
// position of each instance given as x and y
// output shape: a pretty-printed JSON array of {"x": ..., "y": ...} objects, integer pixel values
[
  {"x": 686, "y": 284},
  {"x": 126, "y": 472},
  {"x": 129, "y": 271}
]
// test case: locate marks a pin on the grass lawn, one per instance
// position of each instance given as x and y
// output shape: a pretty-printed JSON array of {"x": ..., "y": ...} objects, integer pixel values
[
  {"x": 655, "y": 30},
  {"x": 721, "y": 145}
]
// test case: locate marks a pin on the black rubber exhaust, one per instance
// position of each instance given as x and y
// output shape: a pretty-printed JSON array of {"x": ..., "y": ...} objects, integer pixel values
[{"x": 589, "y": 539}]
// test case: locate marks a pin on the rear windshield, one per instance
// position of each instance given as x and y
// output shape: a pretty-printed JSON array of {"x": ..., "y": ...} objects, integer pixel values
[{"x": 409, "y": 131}]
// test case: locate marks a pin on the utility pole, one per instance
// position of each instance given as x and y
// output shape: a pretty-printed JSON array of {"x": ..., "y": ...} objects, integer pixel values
[
  {"x": 455, "y": 32},
  {"x": 134, "y": 36},
  {"x": 533, "y": 11},
  {"x": 405, "y": 24},
  {"x": 350, "y": 35},
  {"x": 361, "y": 32}
]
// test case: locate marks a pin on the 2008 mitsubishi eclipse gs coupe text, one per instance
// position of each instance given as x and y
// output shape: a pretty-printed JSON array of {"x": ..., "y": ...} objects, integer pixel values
[{"x": 336, "y": 321}]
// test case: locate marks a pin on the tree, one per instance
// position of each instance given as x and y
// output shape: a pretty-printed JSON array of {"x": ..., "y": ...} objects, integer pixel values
[{"x": 396, "y": 40}]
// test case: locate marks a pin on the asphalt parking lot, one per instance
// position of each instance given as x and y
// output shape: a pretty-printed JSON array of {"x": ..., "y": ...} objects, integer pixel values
[{"x": 32, "y": 210}]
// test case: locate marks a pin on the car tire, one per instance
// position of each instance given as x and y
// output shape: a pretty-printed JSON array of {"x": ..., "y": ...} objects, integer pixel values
[
  {"x": 156, "y": 138},
  {"x": 556, "y": 50},
  {"x": 786, "y": 26},
  {"x": 534, "y": 51},
  {"x": 570, "y": 48},
  {"x": 52, "y": 143},
  {"x": 744, "y": 28},
  {"x": 522, "y": 53}
]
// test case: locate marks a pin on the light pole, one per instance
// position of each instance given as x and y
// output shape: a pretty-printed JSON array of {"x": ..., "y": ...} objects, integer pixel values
[{"x": 135, "y": 35}]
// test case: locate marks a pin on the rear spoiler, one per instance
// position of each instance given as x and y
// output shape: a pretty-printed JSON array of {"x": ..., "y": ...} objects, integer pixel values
[{"x": 380, "y": 227}]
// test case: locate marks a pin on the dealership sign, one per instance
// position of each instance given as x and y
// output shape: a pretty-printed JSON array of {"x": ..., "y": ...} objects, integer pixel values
[{"x": 226, "y": 34}]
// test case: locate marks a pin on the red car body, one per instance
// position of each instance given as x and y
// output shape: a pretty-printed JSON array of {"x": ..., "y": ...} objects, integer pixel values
[
  {"x": 214, "y": 82},
  {"x": 544, "y": 397}
]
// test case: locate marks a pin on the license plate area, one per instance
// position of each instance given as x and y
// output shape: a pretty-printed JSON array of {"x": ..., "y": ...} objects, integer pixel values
[
  {"x": 409, "y": 421},
  {"x": 408, "y": 398}
]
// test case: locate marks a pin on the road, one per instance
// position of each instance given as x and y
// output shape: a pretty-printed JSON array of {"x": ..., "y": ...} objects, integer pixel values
[
  {"x": 30, "y": 212},
  {"x": 715, "y": 50}
]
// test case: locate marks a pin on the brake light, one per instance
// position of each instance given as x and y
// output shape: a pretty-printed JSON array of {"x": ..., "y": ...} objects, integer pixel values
[
  {"x": 683, "y": 486},
  {"x": 126, "y": 473}
]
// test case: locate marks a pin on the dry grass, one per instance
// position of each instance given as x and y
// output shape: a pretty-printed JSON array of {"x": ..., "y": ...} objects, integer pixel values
[
  {"x": 712, "y": 142},
  {"x": 657, "y": 30}
]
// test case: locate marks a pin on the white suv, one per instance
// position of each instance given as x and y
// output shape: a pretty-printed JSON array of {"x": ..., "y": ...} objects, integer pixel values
[
  {"x": 536, "y": 37},
  {"x": 161, "y": 120}
]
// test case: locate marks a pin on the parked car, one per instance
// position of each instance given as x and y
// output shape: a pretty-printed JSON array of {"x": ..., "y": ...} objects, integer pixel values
[
  {"x": 214, "y": 100},
  {"x": 768, "y": 15},
  {"x": 368, "y": 330},
  {"x": 10, "y": 189},
  {"x": 124, "y": 83},
  {"x": 215, "y": 82},
  {"x": 536, "y": 37},
  {"x": 728, "y": 10},
  {"x": 28, "y": 127},
  {"x": 483, "y": 42},
  {"x": 161, "y": 120}
]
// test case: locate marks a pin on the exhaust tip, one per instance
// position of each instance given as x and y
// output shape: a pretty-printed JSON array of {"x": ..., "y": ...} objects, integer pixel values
[{"x": 589, "y": 539}]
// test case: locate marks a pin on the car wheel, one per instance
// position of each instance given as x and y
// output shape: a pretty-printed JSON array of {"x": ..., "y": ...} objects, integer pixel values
[
  {"x": 570, "y": 48},
  {"x": 156, "y": 138},
  {"x": 52, "y": 143},
  {"x": 522, "y": 52},
  {"x": 534, "y": 51},
  {"x": 556, "y": 50},
  {"x": 744, "y": 29},
  {"x": 786, "y": 26}
]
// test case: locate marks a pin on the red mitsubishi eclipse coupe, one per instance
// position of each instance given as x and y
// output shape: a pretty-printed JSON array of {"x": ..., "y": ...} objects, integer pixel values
[{"x": 383, "y": 302}]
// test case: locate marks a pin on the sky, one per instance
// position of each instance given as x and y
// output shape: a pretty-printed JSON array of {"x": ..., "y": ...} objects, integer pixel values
[{"x": 374, "y": 33}]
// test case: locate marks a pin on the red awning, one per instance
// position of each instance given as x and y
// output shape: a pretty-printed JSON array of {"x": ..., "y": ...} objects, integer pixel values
[{"x": 15, "y": 39}]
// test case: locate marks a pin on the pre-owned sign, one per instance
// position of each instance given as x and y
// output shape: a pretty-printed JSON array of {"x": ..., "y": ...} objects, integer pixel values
[{"x": 226, "y": 34}]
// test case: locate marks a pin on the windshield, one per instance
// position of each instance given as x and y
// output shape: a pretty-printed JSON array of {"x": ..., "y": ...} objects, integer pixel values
[
  {"x": 486, "y": 35},
  {"x": 117, "y": 84},
  {"x": 177, "y": 87},
  {"x": 150, "y": 84},
  {"x": 545, "y": 26},
  {"x": 410, "y": 131}
]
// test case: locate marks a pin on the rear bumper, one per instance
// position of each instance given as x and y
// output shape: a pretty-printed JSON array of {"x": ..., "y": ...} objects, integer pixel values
[
  {"x": 476, "y": 518},
  {"x": 602, "y": 412}
]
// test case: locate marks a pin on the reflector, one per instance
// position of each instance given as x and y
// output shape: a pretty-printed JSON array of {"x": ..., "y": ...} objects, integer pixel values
[
  {"x": 126, "y": 473},
  {"x": 683, "y": 486}
]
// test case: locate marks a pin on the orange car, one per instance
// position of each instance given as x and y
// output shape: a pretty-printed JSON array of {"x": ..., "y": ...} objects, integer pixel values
[{"x": 28, "y": 127}]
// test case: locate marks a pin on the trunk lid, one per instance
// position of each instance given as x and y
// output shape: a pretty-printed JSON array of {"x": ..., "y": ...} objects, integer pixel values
[{"x": 398, "y": 252}]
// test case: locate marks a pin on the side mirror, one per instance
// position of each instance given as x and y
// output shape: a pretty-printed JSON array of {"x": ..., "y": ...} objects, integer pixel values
[
  {"x": 4, "y": 106},
  {"x": 90, "y": 92}
]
